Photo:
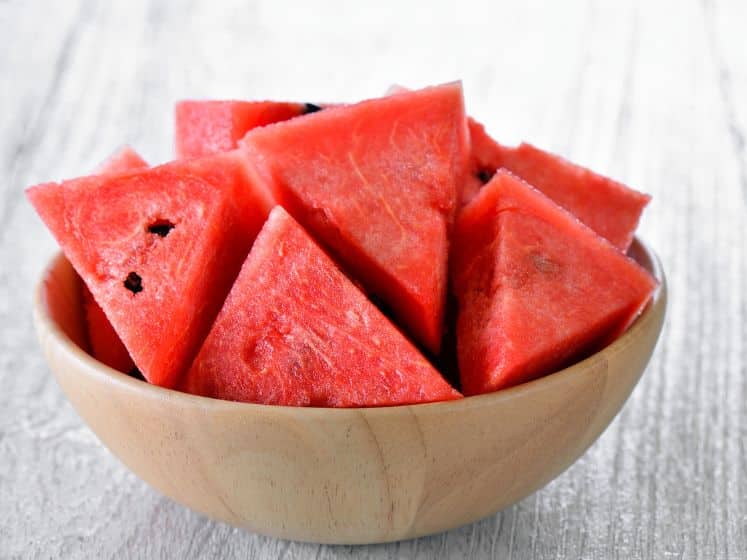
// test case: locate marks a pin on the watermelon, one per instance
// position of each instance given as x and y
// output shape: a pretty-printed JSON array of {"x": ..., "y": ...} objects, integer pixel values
[
  {"x": 536, "y": 288},
  {"x": 609, "y": 208},
  {"x": 207, "y": 127},
  {"x": 160, "y": 254},
  {"x": 483, "y": 160},
  {"x": 606, "y": 206},
  {"x": 106, "y": 346},
  {"x": 295, "y": 331},
  {"x": 123, "y": 160},
  {"x": 473, "y": 179},
  {"x": 376, "y": 183}
]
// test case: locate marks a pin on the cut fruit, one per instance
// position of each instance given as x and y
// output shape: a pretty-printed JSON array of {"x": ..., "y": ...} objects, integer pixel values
[
  {"x": 473, "y": 180},
  {"x": 123, "y": 160},
  {"x": 536, "y": 288},
  {"x": 376, "y": 183},
  {"x": 609, "y": 208},
  {"x": 295, "y": 331},
  {"x": 208, "y": 127},
  {"x": 483, "y": 160},
  {"x": 160, "y": 254},
  {"x": 106, "y": 346}
]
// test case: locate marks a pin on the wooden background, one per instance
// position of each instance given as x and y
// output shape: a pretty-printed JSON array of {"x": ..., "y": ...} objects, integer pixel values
[{"x": 652, "y": 93}]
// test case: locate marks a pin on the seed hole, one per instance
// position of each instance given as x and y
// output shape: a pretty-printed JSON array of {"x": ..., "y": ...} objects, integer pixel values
[
  {"x": 310, "y": 108},
  {"x": 484, "y": 175},
  {"x": 161, "y": 227},
  {"x": 133, "y": 282}
]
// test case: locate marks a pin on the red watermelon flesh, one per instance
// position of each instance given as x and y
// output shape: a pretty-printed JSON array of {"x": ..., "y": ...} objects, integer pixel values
[
  {"x": 207, "y": 127},
  {"x": 609, "y": 208},
  {"x": 106, "y": 346},
  {"x": 536, "y": 288},
  {"x": 473, "y": 178},
  {"x": 123, "y": 160},
  {"x": 161, "y": 254},
  {"x": 295, "y": 331},
  {"x": 482, "y": 162},
  {"x": 376, "y": 183}
]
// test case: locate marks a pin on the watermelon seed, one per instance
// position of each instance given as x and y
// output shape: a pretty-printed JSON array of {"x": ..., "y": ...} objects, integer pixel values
[
  {"x": 310, "y": 108},
  {"x": 484, "y": 175},
  {"x": 161, "y": 227},
  {"x": 133, "y": 282}
]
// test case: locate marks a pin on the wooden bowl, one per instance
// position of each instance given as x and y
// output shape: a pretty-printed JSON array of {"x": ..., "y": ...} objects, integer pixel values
[{"x": 344, "y": 475}]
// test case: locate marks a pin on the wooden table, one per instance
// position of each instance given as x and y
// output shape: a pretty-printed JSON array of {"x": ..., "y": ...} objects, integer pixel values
[{"x": 652, "y": 93}]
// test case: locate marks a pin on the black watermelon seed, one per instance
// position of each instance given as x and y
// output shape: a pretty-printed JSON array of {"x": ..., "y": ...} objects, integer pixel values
[
  {"x": 161, "y": 227},
  {"x": 484, "y": 175},
  {"x": 310, "y": 108},
  {"x": 136, "y": 373},
  {"x": 133, "y": 282}
]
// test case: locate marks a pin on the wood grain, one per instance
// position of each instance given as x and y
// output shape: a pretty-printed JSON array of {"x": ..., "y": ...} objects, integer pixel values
[{"x": 649, "y": 92}]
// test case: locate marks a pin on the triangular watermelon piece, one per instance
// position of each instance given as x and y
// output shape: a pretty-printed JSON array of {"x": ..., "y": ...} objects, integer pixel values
[
  {"x": 482, "y": 162},
  {"x": 295, "y": 331},
  {"x": 376, "y": 183},
  {"x": 106, "y": 346},
  {"x": 208, "y": 127},
  {"x": 123, "y": 160},
  {"x": 473, "y": 178},
  {"x": 609, "y": 208},
  {"x": 158, "y": 248},
  {"x": 537, "y": 289}
]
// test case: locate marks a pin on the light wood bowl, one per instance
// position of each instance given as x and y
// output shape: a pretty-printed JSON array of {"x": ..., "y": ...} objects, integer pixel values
[{"x": 344, "y": 475}]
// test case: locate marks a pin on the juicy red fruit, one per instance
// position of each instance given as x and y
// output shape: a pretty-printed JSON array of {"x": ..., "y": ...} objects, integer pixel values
[
  {"x": 208, "y": 127},
  {"x": 105, "y": 344},
  {"x": 377, "y": 183},
  {"x": 161, "y": 293},
  {"x": 123, "y": 160},
  {"x": 536, "y": 288},
  {"x": 295, "y": 331},
  {"x": 608, "y": 207}
]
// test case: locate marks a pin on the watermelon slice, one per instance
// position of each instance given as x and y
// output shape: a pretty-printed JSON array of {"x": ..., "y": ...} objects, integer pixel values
[
  {"x": 473, "y": 179},
  {"x": 606, "y": 206},
  {"x": 295, "y": 331},
  {"x": 123, "y": 160},
  {"x": 160, "y": 254},
  {"x": 536, "y": 288},
  {"x": 482, "y": 162},
  {"x": 609, "y": 208},
  {"x": 376, "y": 183},
  {"x": 106, "y": 346},
  {"x": 207, "y": 127}
]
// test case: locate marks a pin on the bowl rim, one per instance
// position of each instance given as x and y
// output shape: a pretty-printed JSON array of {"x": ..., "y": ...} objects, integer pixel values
[{"x": 44, "y": 323}]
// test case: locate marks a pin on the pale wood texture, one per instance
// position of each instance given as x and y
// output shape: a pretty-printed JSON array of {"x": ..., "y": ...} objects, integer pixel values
[{"x": 649, "y": 92}]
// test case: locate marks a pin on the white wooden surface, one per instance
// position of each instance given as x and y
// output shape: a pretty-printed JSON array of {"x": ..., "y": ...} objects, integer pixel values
[{"x": 652, "y": 93}]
